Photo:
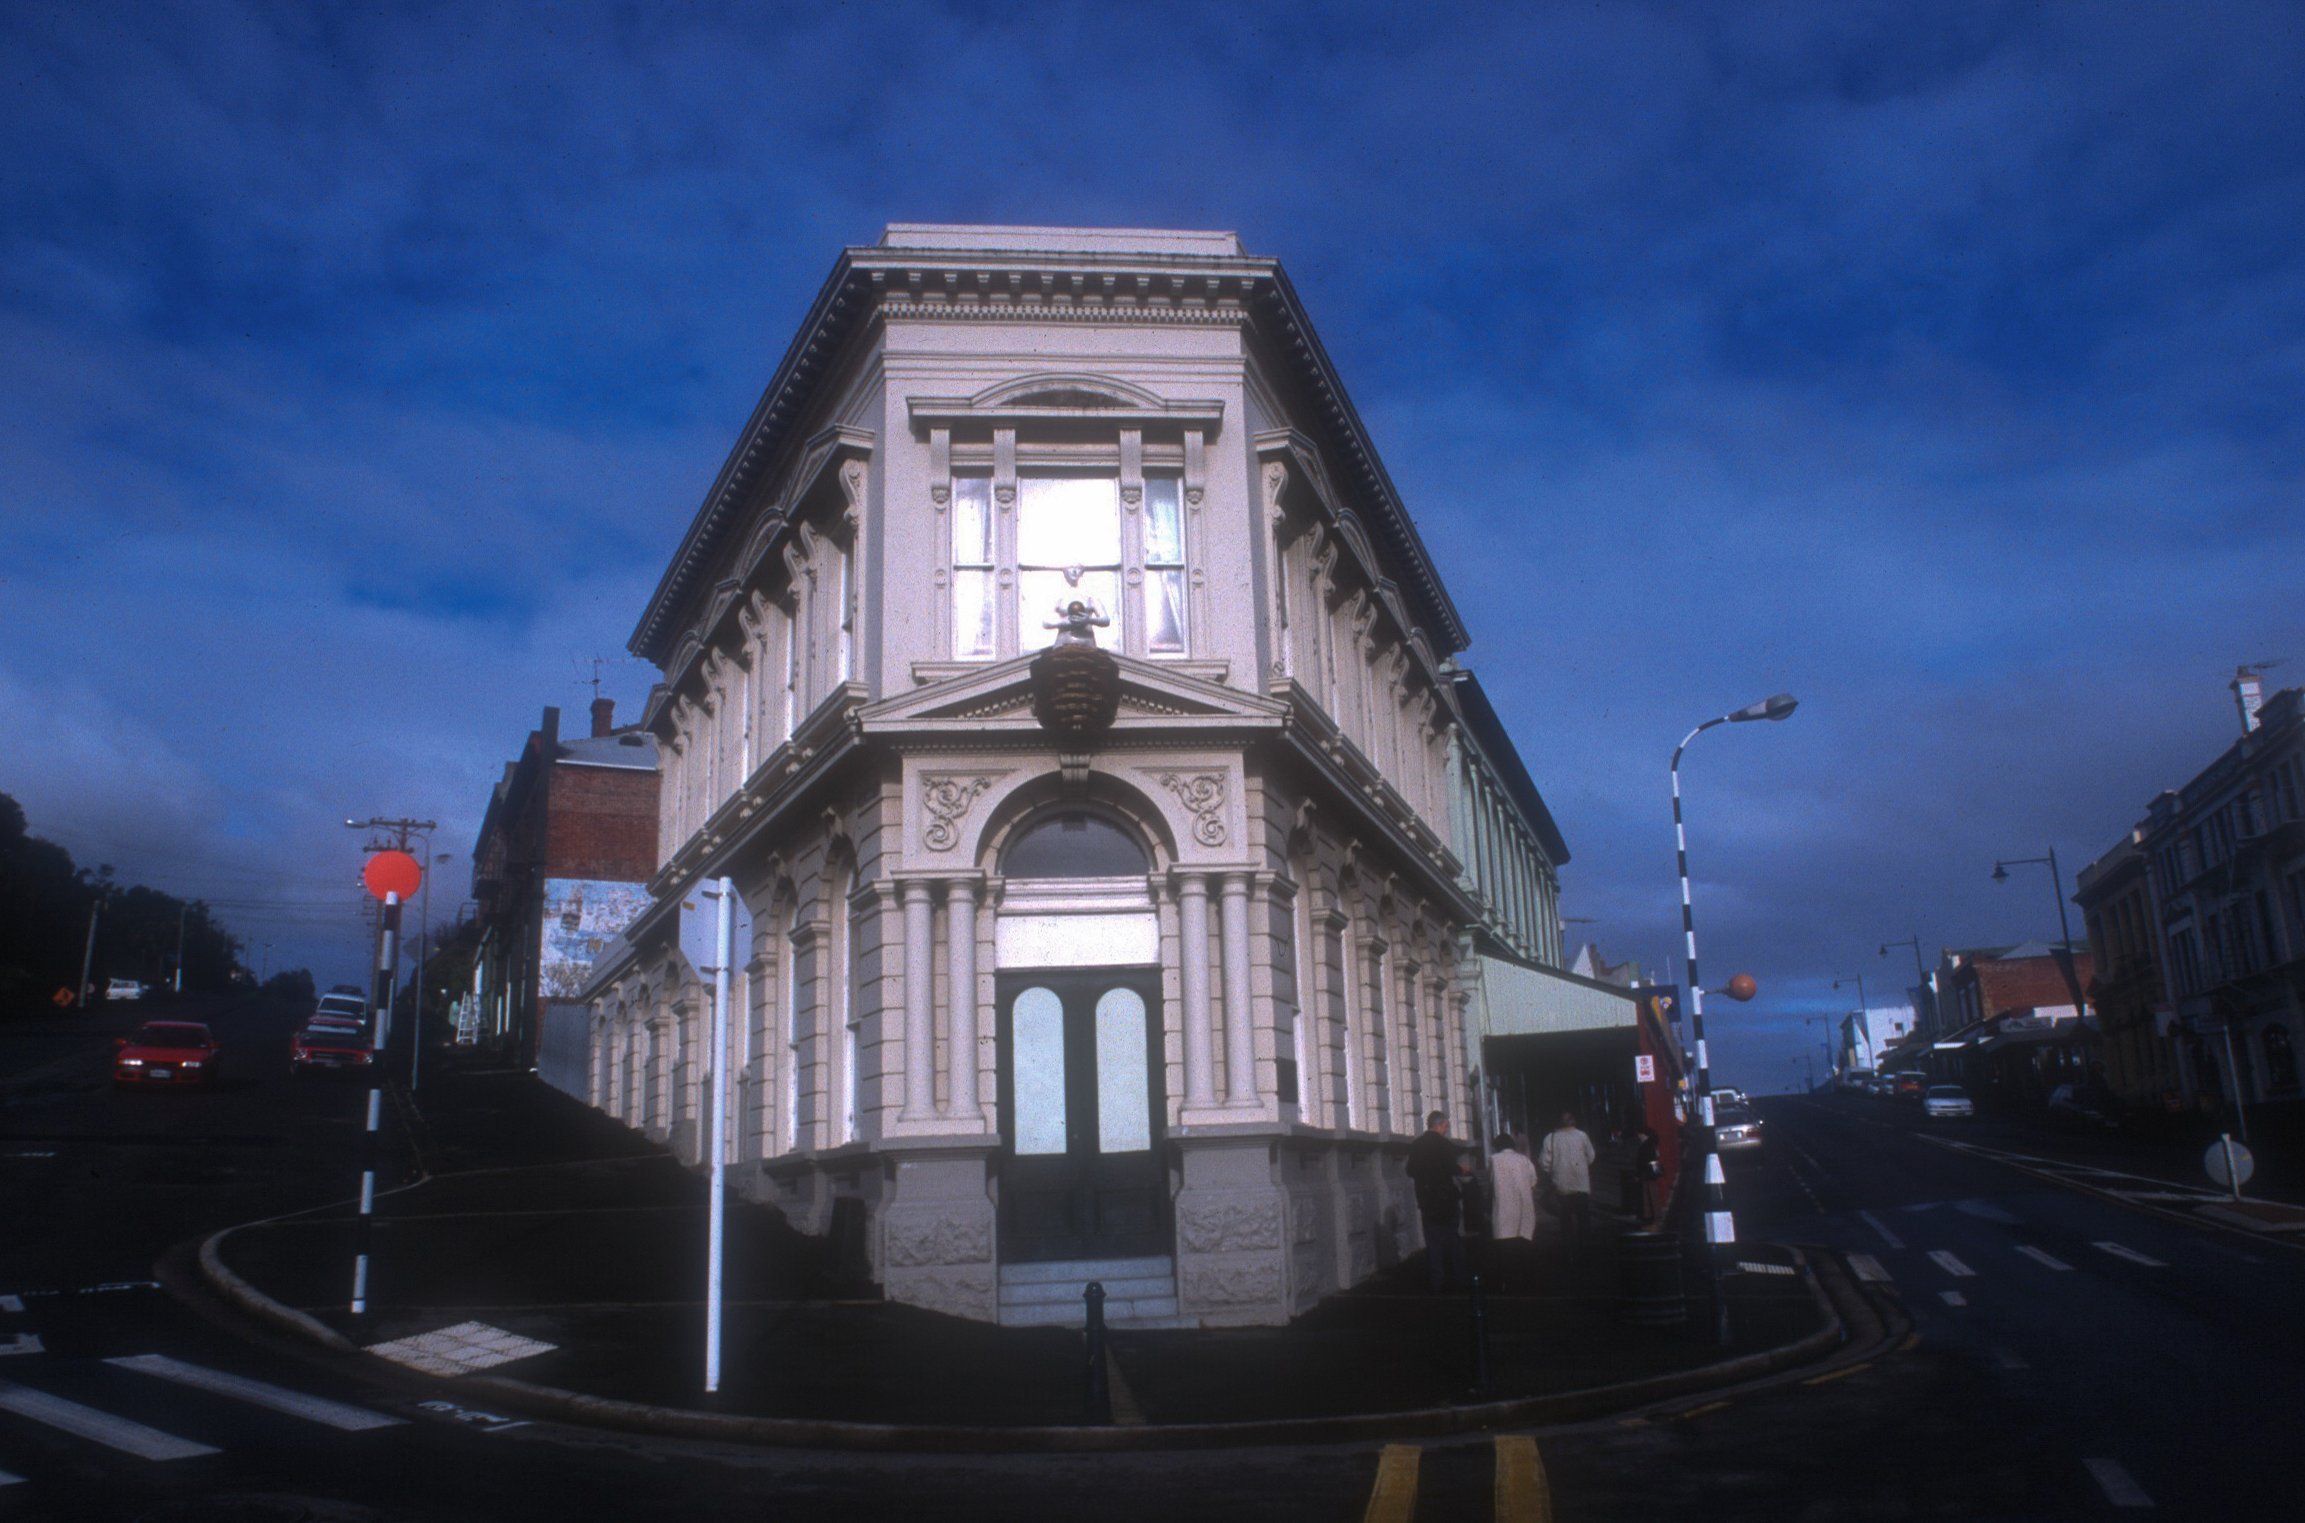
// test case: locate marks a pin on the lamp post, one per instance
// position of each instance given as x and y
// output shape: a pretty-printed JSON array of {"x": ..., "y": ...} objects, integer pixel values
[
  {"x": 1864, "y": 1007},
  {"x": 95, "y": 910},
  {"x": 1720, "y": 1226},
  {"x": 1825, "y": 1021},
  {"x": 2064, "y": 927},
  {"x": 1921, "y": 989},
  {"x": 423, "y": 950}
]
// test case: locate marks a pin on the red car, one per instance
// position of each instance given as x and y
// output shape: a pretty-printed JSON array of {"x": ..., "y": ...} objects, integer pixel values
[
  {"x": 174, "y": 1053},
  {"x": 326, "y": 1043}
]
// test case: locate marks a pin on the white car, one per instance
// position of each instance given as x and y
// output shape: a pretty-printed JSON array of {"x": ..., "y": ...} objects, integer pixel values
[
  {"x": 1946, "y": 1100},
  {"x": 124, "y": 988},
  {"x": 351, "y": 1006}
]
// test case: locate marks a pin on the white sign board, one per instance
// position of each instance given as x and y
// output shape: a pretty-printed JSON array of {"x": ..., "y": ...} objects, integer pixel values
[
  {"x": 1644, "y": 1069},
  {"x": 700, "y": 926}
]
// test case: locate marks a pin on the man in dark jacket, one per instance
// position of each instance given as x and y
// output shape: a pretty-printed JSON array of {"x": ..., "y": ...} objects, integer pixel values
[{"x": 1434, "y": 1164}]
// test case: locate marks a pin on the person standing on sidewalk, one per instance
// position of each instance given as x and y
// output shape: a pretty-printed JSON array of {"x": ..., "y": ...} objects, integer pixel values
[
  {"x": 1641, "y": 1178},
  {"x": 1567, "y": 1160},
  {"x": 1434, "y": 1165}
]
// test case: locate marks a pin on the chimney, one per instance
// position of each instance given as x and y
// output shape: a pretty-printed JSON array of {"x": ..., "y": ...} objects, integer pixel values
[
  {"x": 2248, "y": 696},
  {"x": 603, "y": 716}
]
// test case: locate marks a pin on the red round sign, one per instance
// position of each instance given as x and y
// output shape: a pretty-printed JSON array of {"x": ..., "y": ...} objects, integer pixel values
[{"x": 392, "y": 872}]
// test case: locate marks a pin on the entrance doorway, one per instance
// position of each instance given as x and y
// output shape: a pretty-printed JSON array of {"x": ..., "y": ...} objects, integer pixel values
[{"x": 1083, "y": 1103}]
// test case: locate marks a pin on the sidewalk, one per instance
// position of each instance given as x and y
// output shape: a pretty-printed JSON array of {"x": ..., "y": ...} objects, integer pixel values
[{"x": 585, "y": 1239}]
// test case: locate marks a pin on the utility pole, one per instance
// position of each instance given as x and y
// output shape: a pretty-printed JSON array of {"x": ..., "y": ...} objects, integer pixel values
[
  {"x": 88, "y": 955},
  {"x": 182, "y": 910},
  {"x": 401, "y": 831}
]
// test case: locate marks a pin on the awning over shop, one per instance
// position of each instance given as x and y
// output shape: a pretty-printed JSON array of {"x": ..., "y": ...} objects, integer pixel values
[{"x": 1521, "y": 1000}]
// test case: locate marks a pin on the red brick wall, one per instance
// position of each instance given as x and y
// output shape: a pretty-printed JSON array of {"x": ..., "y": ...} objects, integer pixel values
[
  {"x": 2028, "y": 982},
  {"x": 602, "y": 824}
]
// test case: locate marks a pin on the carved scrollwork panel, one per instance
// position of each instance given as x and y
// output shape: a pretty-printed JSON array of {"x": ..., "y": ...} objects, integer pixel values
[
  {"x": 947, "y": 797},
  {"x": 1203, "y": 796}
]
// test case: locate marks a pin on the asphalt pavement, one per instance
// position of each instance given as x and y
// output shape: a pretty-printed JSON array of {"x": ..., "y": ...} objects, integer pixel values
[{"x": 2078, "y": 1349}]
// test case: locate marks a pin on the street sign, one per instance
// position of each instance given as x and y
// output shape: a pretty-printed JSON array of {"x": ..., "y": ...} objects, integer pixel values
[
  {"x": 700, "y": 925},
  {"x": 392, "y": 872},
  {"x": 2215, "y": 1162},
  {"x": 1644, "y": 1069}
]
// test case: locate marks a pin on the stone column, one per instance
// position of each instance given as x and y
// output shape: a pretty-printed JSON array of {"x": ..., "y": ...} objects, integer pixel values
[
  {"x": 1240, "y": 1025},
  {"x": 919, "y": 1004},
  {"x": 1193, "y": 975},
  {"x": 960, "y": 971}
]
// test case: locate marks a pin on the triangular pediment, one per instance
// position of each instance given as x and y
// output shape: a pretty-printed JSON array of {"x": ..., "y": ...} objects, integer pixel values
[{"x": 998, "y": 697}]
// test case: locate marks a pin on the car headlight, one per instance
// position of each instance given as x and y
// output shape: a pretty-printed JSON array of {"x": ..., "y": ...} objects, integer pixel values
[
  {"x": 194, "y": 1062},
  {"x": 131, "y": 1062}
]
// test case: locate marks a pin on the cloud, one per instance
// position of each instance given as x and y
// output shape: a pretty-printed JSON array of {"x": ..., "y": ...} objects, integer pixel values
[{"x": 1943, "y": 367}]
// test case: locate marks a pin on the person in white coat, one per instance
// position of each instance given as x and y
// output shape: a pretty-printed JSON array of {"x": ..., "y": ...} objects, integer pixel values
[
  {"x": 1567, "y": 1160},
  {"x": 1513, "y": 1192}
]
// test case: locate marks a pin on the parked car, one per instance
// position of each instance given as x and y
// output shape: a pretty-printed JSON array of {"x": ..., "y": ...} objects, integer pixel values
[
  {"x": 1910, "y": 1085},
  {"x": 1944, "y": 1101},
  {"x": 124, "y": 988},
  {"x": 1735, "y": 1129},
  {"x": 342, "y": 1002},
  {"x": 330, "y": 1046},
  {"x": 1855, "y": 1080},
  {"x": 1727, "y": 1096},
  {"x": 174, "y": 1053}
]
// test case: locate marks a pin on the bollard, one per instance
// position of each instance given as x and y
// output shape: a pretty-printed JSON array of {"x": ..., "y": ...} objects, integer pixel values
[
  {"x": 1480, "y": 1318},
  {"x": 1098, "y": 1400}
]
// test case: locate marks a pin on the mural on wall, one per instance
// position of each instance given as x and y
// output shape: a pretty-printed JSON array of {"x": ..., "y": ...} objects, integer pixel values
[{"x": 581, "y": 915}]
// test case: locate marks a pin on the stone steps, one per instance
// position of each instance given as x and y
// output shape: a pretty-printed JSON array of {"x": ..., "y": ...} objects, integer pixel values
[{"x": 1139, "y": 1293}]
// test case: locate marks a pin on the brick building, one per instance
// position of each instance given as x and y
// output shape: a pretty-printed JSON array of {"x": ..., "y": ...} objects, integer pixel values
[
  {"x": 2010, "y": 1023},
  {"x": 559, "y": 869}
]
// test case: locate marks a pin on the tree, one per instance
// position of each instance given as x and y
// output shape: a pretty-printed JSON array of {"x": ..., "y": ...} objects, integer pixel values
[
  {"x": 44, "y": 905},
  {"x": 293, "y": 985}
]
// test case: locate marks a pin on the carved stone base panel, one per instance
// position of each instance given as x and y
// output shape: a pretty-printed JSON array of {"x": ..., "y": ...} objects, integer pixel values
[
  {"x": 1232, "y": 1235},
  {"x": 938, "y": 1237}
]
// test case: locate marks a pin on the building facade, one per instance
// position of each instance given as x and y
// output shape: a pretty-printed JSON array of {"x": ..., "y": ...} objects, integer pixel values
[
  {"x": 1148, "y": 977},
  {"x": 2010, "y": 1026},
  {"x": 559, "y": 868},
  {"x": 2115, "y": 895},
  {"x": 2227, "y": 863}
]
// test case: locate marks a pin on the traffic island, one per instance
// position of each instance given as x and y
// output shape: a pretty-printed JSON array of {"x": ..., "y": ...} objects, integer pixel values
[{"x": 573, "y": 1289}]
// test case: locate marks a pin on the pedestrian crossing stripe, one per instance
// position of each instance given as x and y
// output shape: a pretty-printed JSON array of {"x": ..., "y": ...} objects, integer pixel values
[
  {"x": 319, "y": 1409},
  {"x": 97, "y": 1426}
]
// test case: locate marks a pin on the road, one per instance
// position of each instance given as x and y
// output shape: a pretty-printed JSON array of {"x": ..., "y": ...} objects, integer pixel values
[{"x": 2069, "y": 1357}]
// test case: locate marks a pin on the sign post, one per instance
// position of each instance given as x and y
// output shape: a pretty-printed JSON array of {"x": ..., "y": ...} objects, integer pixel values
[
  {"x": 391, "y": 876},
  {"x": 714, "y": 924}
]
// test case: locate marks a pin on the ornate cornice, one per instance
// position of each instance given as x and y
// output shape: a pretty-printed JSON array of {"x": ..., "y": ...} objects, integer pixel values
[{"x": 876, "y": 283}]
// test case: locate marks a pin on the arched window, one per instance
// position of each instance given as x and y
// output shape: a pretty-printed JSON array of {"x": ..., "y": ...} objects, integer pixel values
[{"x": 1075, "y": 844}]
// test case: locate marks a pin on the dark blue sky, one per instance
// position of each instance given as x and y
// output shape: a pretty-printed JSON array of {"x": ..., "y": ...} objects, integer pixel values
[{"x": 1942, "y": 364}]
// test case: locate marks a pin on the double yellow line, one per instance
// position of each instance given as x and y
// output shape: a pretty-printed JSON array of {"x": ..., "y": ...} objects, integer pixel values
[{"x": 1522, "y": 1495}]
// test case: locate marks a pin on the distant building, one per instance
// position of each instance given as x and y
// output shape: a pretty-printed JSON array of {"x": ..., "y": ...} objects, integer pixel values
[
  {"x": 2115, "y": 894},
  {"x": 2227, "y": 854},
  {"x": 1869, "y": 1033},
  {"x": 560, "y": 868},
  {"x": 2010, "y": 1021}
]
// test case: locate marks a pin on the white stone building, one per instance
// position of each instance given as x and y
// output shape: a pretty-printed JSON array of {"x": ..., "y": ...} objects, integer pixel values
[{"x": 1163, "y": 1008}]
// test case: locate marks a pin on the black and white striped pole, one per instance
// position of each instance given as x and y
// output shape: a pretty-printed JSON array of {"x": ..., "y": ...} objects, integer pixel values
[
  {"x": 1720, "y": 1225},
  {"x": 388, "y": 960}
]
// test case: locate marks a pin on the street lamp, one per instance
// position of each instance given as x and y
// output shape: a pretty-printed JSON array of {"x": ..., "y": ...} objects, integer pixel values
[
  {"x": 2064, "y": 927},
  {"x": 1921, "y": 990},
  {"x": 1720, "y": 1226}
]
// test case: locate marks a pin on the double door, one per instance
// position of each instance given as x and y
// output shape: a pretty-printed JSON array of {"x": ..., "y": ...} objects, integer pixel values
[{"x": 1082, "y": 1104}]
